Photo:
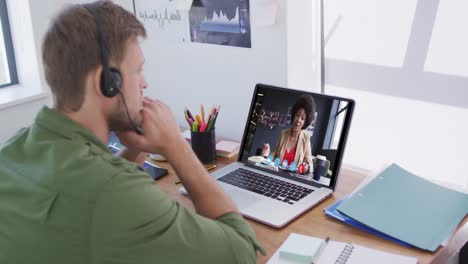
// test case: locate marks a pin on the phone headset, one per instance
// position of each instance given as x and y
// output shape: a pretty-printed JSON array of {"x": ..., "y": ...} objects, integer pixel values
[{"x": 111, "y": 78}]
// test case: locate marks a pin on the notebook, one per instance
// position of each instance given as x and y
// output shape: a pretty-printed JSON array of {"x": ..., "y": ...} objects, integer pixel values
[
  {"x": 274, "y": 191},
  {"x": 332, "y": 252},
  {"x": 407, "y": 207},
  {"x": 347, "y": 253}
]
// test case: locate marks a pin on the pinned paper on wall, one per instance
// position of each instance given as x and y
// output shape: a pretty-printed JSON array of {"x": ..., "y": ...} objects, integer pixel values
[
  {"x": 221, "y": 22},
  {"x": 167, "y": 20},
  {"x": 205, "y": 21}
]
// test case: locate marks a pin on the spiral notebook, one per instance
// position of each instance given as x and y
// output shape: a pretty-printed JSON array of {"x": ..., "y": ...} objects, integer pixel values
[
  {"x": 347, "y": 253},
  {"x": 292, "y": 252}
]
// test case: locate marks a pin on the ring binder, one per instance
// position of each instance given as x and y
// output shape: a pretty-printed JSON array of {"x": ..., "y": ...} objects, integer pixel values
[{"x": 345, "y": 253}]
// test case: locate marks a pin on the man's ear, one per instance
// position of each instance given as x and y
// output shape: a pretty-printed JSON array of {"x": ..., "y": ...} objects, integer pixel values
[{"x": 94, "y": 79}]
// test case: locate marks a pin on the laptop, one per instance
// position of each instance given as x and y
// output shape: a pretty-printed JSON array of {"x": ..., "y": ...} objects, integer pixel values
[{"x": 274, "y": 191}]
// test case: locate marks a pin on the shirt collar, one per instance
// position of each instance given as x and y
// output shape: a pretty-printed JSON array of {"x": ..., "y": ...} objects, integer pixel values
[{"x": 65, "y": 127}]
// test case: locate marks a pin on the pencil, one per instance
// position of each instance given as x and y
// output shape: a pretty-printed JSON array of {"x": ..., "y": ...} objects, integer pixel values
[
  {"x": 189, "y": 114},
  {"x": 199, "y": 120},
  {"x": 211, "y": 167},
  {"x": 202, "y": 113}
]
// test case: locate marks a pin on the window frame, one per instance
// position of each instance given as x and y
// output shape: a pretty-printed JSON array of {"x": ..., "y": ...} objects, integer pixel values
[{"x": 8, "y": 42}]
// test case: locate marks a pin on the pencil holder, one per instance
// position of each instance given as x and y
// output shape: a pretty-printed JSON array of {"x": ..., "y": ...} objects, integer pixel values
[{"x": 204, "y": 145}]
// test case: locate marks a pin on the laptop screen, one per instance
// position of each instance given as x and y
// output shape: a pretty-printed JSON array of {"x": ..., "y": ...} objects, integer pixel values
[{"x": 297, "y": 135}]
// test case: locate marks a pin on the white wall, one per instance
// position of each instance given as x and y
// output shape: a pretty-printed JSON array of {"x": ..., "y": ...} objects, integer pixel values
[
  {"x": 303, "y": 46},
  {"x": 405, "y": 65},
  {"x": 190, "y": 74}
]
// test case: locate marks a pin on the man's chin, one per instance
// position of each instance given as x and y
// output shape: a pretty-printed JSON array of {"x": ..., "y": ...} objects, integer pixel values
[
  {"x": 138, "y": 121},
  {"x": 123, "y": 127}
]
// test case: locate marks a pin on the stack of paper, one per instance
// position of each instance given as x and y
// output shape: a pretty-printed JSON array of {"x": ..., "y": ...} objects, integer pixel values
[
  {"x": 227, "y": 149},
  {"x": 407, "y": 208}
]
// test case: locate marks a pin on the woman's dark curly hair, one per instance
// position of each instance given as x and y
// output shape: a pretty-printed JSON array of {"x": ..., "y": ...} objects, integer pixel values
[{"x": 308, "y": 104}]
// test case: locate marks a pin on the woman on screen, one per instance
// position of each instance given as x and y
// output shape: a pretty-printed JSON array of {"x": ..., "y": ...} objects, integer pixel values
[{"x": 294, "y": 143}]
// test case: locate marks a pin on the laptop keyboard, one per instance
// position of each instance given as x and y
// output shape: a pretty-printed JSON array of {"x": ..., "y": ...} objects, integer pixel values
[{"x": 267, "y": 186}]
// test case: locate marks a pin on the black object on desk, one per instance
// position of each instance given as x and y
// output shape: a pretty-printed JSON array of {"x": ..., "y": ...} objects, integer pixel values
[
  {"x": 204, "y": 145},
  {"x": 463, "y": 257}
]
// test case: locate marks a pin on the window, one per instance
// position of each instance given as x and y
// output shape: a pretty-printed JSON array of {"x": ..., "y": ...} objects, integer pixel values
[
  {"x": 335, "y": 124},
  {"x": 339, "y": 116},
  {"x": 8, "y": 74}
]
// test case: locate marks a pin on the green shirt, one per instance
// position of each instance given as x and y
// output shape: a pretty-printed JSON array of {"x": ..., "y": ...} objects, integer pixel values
[{"x": 64, "y": 198}]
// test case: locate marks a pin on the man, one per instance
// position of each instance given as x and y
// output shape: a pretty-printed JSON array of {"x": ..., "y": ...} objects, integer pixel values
[{"x": 64, "y": 198}]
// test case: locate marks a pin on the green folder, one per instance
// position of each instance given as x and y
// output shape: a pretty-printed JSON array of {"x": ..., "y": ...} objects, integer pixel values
[{"x": 407, "y": 207}]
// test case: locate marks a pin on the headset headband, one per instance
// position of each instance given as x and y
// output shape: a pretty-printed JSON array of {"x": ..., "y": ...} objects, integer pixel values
[{"x": 102, "y": 43}]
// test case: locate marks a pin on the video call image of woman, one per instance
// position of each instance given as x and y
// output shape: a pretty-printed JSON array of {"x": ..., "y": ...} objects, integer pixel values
[{"x": 294, "y": 142}]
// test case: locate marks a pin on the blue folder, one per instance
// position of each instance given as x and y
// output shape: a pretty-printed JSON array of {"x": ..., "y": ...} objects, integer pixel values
[
  {"x": 407, "y": 207},
  {"x": 333, "y": 213}
]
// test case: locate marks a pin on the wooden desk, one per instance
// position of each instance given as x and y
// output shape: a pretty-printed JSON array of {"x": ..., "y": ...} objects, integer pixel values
[{"x": 313, "y": 222}]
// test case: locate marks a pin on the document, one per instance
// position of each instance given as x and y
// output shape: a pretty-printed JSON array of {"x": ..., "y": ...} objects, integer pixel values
[{"x": 407, "y": 207}]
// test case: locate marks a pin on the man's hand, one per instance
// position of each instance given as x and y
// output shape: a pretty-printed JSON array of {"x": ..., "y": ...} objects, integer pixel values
[
  {"x": 162, "y": 136},
  {"x": 160, "y": 126},
  {"x": 266, "y": 149}
]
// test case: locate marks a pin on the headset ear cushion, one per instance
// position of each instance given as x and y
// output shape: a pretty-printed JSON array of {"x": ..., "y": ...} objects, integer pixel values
[
  {"x": 111, "y": 82},
  {"x": 116, "y": 79}
]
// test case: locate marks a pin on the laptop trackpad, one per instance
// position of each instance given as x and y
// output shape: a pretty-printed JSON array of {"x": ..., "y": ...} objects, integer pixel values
[{"x": 242, "y": 199}]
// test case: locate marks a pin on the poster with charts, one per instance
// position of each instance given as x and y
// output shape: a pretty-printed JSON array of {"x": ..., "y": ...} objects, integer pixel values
[
  {"x": 165, "y": 20},
  {"x": 221, "y": 22}
]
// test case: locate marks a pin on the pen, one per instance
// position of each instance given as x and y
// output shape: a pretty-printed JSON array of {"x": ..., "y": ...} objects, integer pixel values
[{"x": 195, "y": 126}]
